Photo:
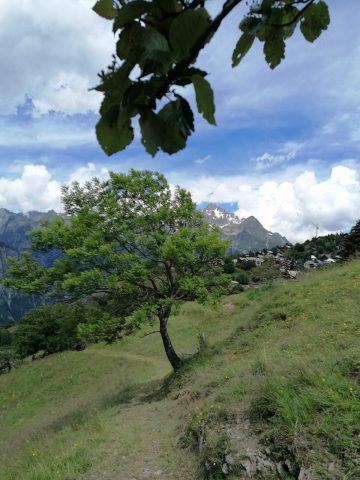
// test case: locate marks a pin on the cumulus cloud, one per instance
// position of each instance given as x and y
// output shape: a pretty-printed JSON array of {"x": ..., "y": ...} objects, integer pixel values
[
  {"x": 87, "y": 172},
  {"x": 33, "y": 190},
  {"x": 36, "y": 189},
  {"x": 52, "y": 52},
  {"x": 292, "y": 207}
]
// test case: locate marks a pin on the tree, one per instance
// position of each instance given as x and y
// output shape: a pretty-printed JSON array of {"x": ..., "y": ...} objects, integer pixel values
[
  {"x": 352, "y": 241},
  {"x": 157, "y": 46},
  {"x": 49, "y": 328},
  {"x": 133, "y": 240}
]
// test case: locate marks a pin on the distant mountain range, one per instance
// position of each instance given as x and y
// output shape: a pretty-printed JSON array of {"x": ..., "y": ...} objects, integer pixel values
[
  {"x": 14, "y": 228},
  {"x": 245, "y": 234}
]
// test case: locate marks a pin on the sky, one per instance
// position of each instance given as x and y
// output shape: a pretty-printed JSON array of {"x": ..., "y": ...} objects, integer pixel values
[{"x": 286, "y": 147}]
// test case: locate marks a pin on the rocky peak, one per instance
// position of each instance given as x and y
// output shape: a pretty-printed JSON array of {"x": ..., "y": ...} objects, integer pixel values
[
  {"x": 219, "y": 216},
  {"x": 245, "y": 234}
]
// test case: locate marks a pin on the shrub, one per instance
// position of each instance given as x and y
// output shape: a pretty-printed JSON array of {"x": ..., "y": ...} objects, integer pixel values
[
  {"x": 241, "y": 276},
  {"x": 49, "y": 328}
]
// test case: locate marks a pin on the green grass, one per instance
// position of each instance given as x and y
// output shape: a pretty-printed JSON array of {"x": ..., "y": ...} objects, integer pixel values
[{"x": 286, "y": 356}]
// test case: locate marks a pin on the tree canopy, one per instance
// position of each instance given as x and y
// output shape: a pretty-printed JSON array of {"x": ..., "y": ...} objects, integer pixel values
[
  {"x": 157, "y": 46},
  {"x": 132, "y": 243}
]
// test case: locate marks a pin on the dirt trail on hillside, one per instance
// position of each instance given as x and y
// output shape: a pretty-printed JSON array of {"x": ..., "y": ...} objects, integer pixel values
[{"x": 142, "y": 445}]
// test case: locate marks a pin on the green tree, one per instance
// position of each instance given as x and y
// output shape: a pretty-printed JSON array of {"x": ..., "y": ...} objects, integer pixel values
[
  {"x": 49, "y": 328},
  {"x": 132, "y": 239},
  {"x": 229, "y": 266},
  {"x": 157, "y": 46},
  {"x": 352, "y": 241}
]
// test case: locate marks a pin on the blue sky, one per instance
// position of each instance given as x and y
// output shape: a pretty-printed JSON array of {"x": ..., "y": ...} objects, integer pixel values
[{"x": 286, "y": 148}]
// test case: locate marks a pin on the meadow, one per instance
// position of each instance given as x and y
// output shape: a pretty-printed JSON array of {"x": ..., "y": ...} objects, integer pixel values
[{"x": 280, "y": 362}]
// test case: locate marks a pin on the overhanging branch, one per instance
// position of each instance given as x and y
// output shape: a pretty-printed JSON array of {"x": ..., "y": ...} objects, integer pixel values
[{"x": 180, "y": 67}]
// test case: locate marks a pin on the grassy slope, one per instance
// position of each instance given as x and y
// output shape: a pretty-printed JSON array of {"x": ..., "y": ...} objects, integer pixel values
[{"x": 285, "y": 356}]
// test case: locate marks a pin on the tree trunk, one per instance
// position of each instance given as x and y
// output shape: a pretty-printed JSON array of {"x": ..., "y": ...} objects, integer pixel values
[{"x": 173, "y": 358}]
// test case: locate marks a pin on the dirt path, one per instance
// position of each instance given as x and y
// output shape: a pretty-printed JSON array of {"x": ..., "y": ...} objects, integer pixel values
[{"x": 141, "y": 445}]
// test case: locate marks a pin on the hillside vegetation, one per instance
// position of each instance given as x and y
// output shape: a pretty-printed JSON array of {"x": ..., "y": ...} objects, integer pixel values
[{"x": 274, "y": 388}]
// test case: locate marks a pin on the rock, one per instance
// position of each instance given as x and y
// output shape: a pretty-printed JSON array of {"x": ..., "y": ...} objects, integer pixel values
[
  {"x": 246, "y": 464},
  {"x": 304, "y": 474},
  {"x": 288, "y": 464},
  {"x": 229, "y": 459},
  {"x": 280, "y": 470},
  {"x": 225, "y": 469}
]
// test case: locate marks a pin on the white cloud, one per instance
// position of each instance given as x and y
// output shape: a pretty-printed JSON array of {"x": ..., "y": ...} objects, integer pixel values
[
  {"x": 86, "y": 173},
  {"x": 202, "y": 160},
  {"x": 36, "y": 189},
  {"x": 285, "y": 154},
  {"x": 52, "y": 51},
  {"x": 33, "y": 190},
  {"x": 291, "y": 206}
]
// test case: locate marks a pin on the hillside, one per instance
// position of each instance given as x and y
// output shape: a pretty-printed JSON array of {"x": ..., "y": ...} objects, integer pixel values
[{"x": 276, "y": 390}]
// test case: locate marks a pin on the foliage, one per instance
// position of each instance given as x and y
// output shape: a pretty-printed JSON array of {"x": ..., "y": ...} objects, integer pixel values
[
  {"x": 229, "y": 266},
  {"x": 8, "y": 360},
  {"x": 352, "y": 241},
  {"x": 133, "y": 241},
  {"x": 50, "y": 329},
  {"x": 267, "y": 271},
  {"x": 157, "y": 46},
  {"x": 241, "y": 276},
  {"x": 6, "y": 337},
  {"x": 332, "y": 244}
]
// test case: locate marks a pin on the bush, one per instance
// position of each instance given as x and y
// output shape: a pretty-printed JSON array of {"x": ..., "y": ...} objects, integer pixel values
[
  {"x": 6, "y": 337},
  {"x": 241, "y": 276},
  {"x": 228, "y": 265},
  {"x": 266, "y": 272},
  {"x": 50, "y": 328}
]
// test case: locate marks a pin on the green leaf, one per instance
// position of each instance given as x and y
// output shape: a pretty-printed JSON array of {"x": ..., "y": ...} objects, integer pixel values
[
  {"x": 106, "y": 9},
  {"x": 173, "y": 139},
  {"x": 186, "y": 30},
  {"x": 316, "y": 18},
  {"x": 204, "y": 98},
  {"x": 152, "y": 131},
  {"x": 274, "y": 47},
  {"x": 128, "y": 44},
  {"x": 130, "y": 12},
  {"x": 169, "y": 6},
  {"x": 185, "y": 78},
  {"x": 185, "y": 116},
  {"x": 242, "y": 47},
  {"x": 111, "y": 138}
]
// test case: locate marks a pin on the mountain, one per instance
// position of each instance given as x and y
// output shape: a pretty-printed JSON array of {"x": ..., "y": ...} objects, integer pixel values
[
  {"x": 14, "y": 239},
  {"x": 245, "y": 234}
]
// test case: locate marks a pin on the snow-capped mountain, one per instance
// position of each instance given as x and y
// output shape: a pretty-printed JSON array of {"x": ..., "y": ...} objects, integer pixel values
[
  {"x": 220, "y": 217},
  {"x": 245, "y": 233}
]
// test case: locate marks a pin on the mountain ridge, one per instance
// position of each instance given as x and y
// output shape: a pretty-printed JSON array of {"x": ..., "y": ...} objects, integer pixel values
[{"x": 245, "y": 234}]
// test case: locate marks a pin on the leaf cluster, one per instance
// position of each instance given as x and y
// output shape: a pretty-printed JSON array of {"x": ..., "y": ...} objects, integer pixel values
[{"x": 157, "y": 46}]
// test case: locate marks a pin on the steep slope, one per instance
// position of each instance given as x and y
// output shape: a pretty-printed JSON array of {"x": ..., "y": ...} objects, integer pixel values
[
  {"x": 245, "y": 234},
  {"x": 14, "y": 239},
  {"x": 275, "y": 394}
]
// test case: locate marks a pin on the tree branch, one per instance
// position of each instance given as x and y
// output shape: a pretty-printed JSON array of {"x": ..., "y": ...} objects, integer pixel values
[
  {"x": 180, "y": 67},
  {"x": 297, "y": 16}
]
